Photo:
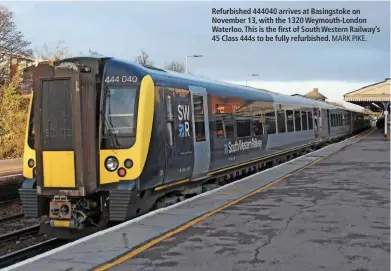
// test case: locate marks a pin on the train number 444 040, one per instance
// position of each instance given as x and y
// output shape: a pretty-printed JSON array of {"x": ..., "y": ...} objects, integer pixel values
[{"x": 121, "y": 79}]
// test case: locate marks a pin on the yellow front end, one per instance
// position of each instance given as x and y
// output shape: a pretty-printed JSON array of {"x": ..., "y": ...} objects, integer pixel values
[
  {"x": 138, "y": 152},
  {"x": 28, "y": 153},
  {"x": 59, "y": 174}
]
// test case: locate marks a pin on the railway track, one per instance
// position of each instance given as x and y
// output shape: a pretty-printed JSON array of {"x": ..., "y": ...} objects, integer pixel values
[
  {"x": 19, "y": 233},
  {"x": 30, "y": 251},
  {"x": 9, "y": 189},
  {"x": 30, "y": 233},
  {"x": 11, "y": 217}
]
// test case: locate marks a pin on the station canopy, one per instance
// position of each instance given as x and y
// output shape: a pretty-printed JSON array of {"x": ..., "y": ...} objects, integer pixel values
[{"x": 375, "y": 97}]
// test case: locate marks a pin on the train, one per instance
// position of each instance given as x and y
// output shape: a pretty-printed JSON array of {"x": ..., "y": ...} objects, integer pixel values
[{"x": 108, "y": 140}]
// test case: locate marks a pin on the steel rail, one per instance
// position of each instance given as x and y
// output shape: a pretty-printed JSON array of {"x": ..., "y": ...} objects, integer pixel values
[
  {"x": 19, "y": 233},
  {"x": 31, "y": 251},
  {"x": 11, "y": 217}
]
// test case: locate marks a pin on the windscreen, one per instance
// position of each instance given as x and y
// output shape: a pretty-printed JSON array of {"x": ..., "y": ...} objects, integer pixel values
[{"x": 121, "y": 111}]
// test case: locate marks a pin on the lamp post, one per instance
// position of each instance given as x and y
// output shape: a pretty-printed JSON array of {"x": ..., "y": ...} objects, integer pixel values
[
  {"x": 191, "y": 56},
  {"x": 251, "y": 74}
]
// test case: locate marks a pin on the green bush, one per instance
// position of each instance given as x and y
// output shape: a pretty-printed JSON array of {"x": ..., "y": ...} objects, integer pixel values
[{"x": 13, "y": 116}]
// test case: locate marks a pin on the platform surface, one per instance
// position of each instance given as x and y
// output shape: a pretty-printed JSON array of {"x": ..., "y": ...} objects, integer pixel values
[
  {"x": 11, "y": 167},
  {"x": 331, "y": 215}
]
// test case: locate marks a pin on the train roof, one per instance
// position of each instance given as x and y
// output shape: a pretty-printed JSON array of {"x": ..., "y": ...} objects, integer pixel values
[
  {"x": 275, "y": 97},
  {"x": 229, "y": 89}
]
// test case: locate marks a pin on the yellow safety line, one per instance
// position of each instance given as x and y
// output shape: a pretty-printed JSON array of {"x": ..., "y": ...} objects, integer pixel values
[{"x": 187, "y": 225}]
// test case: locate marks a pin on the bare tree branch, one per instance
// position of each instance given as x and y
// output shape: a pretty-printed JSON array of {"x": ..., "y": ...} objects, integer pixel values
[
  {"x": 144, "y": 59},
  {"x": 53, "y": 52},
  {"x": 175, "y": 66},
  {"x": 12, "y": 42}
]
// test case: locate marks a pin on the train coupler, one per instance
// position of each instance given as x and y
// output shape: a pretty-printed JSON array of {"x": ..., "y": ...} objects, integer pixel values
[
  {"x": 75, "y": 213},
  {"x": 60, "y": 208}
]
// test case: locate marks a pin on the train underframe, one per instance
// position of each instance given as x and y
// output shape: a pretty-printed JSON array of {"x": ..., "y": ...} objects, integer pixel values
[{"x": 71, "y": 218}]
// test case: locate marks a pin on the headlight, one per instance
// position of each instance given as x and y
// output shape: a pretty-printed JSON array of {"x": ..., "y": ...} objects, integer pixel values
[
  {"x": 31, "y": 163},
  {"x": 111, "y": 163}
]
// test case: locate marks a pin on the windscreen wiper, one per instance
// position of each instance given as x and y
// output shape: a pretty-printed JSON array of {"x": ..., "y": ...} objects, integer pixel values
[{"x": 109, "y": 128}]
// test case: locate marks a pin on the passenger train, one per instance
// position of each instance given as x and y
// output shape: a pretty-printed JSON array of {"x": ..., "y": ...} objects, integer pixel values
[{"x": 108, "y": 140}]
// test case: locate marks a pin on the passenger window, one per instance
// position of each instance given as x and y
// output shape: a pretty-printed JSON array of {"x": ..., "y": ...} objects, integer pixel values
[
  {"x": 289, "y": 121},
  {"x": 220, "y": 128},
  {"x": 297, "y": 121},
  {"x": 243, "y": 122},
  {"x": 198, "y": 109},
  {"x": 224, "y": 122},
  {"x": 243, "y": 127},
  {"x": 257, "y": 126},
  {"x": 281, "y": 121},
  {"x": 270, "y": 122},
  {"x": 310, "y": 121},
  {"x": 304, "y": 120},
  {"x": 332, "y": 120}
]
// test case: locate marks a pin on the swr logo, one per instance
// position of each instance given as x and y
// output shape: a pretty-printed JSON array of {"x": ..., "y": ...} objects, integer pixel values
[{"x": 184, "y": 116}]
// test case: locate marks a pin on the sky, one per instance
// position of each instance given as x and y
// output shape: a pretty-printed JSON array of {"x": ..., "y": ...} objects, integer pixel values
[{"x": 171, "y": 30}]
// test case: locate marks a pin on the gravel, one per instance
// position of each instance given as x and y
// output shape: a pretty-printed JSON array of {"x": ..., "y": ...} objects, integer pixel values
[
  {"x": 21, "y": 243},
  {"x": 10, "y": 208},
  {"x": 13, "y": 208}
]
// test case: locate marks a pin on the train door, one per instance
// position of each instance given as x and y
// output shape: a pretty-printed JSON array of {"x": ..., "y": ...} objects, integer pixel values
[
  {"x": 179, "y": 144},
  {"x": 328, "y": 122},
  {"x": 315, "y": 115},
  {"x": 201, "y": 138},
  {"x": 320, "y": 122}
]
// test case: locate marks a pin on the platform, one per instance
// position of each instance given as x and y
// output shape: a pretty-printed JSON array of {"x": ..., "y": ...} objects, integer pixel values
[
  {"x": 333, "y": 214},
  {"x": 11, "y": 167}
]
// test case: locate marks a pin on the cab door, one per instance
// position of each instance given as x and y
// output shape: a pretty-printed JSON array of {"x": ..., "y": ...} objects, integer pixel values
[
  {"x": 178, "y": 139},
  {"x": 201, "y": 138}
]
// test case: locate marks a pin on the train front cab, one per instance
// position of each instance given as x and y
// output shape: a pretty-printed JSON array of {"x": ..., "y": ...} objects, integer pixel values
[{"x": 68, "y": 173}]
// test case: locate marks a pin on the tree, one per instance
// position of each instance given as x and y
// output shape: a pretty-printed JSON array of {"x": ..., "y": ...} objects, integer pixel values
[
  {"x": 175, "y": 66},
  {"x": 13, "y": 45},
  {"x": 13, "y": 117},
  {"x": 144, "y": 59},
  {"x": 53, "y": 52},
  {"x": 12, "y": 42}
]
